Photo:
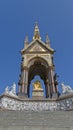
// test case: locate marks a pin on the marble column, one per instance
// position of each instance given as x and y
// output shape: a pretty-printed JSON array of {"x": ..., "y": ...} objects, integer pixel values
[
  {"x": 26, "y": 81},
  {"x": 23, "y": 81},
  {"x": 50, "y": 83},
  {"x": 48, "y": 88},
  {"x": 52, "y": 80},
  {"x": 54, "y": 93}
]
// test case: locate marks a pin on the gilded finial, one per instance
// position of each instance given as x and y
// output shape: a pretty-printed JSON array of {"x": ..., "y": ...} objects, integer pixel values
[{"x": 36, "y": 32}]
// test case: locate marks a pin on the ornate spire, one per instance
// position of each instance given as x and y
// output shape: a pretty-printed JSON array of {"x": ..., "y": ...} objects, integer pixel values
[
  {"x": 36, "y": 32},
  {"x": 26, "y": 41},
  {"x": 47, "y": 40}
]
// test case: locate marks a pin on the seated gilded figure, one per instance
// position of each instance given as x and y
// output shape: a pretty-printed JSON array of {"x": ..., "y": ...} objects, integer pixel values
[{"x": 37, "y": 85}]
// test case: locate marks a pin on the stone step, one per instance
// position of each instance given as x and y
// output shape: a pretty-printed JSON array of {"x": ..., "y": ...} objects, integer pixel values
[{"x": 31, "y": 118}]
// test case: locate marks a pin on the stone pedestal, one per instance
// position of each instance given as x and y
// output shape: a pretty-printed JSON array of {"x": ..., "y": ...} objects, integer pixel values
[{"x": 38, "y": 93}]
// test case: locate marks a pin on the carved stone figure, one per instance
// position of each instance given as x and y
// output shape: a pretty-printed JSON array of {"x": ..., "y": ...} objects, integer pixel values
[
  {"x": 66, "y": 88},
  {"x": 14, "y": 88},
  {"x": 11, "y": 92}
]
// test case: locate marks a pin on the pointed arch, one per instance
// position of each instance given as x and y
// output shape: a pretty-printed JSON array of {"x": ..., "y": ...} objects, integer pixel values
[{"x": 37, "y": 66}]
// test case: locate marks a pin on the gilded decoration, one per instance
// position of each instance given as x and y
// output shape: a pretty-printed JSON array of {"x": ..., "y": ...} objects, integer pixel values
[{"x": 37, "y": 85}]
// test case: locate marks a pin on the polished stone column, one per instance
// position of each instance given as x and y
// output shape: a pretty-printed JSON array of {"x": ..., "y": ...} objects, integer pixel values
[
  {"x": 23, "y": 80},
  {"x": 54, "y": 93},
  {"x": 50, "y": 83},
  {"x": 21, "y": 83},
  {"x": 26, "y": 81},
  {"x": 52, "y": 90},
  {"x": 48, "y": 88},
  {"x": 52, "y": 80}
]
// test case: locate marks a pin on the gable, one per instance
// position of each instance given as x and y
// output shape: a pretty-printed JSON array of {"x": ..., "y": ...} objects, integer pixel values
[{"x": 37, "y": 46}]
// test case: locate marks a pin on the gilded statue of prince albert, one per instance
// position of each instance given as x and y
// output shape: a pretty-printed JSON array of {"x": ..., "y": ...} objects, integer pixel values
[{"x": 37, "y": 85}]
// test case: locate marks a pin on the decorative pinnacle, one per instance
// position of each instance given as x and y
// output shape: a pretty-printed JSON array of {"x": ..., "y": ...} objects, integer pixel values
[
  {"x": 36, "y": 32},
  {"x": 47, "y": 40},
  {"x": 26, "y": 41}
]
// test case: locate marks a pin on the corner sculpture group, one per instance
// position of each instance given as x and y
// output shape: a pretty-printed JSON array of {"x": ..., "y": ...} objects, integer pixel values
[{"x": 11, "y": 90}]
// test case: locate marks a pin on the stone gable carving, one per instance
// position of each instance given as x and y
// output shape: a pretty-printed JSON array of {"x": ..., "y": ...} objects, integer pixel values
[{"x": 37, "y": 48}]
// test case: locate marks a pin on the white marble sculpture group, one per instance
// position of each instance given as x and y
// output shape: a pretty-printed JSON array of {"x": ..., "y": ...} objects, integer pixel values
[
  {"x": 11, "y": 90},
  {"x": 66, "y": 89}
]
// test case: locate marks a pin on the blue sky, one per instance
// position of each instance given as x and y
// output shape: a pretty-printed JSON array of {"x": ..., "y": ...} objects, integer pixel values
[{"x": 17, "y": 18}]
